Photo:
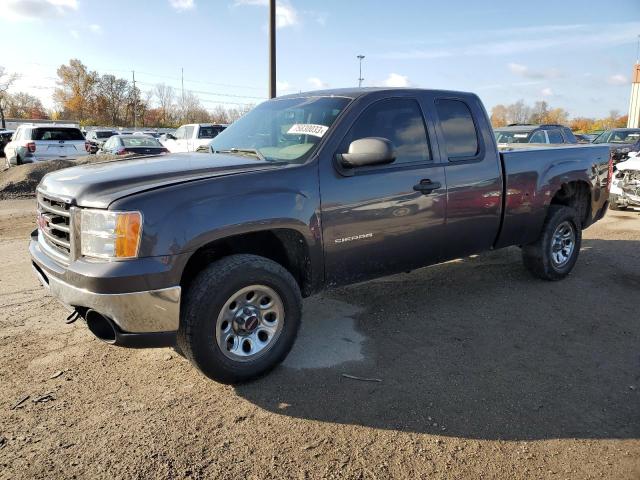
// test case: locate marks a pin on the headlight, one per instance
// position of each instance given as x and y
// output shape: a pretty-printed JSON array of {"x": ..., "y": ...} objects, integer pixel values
[{"x": 105, "y": 234}]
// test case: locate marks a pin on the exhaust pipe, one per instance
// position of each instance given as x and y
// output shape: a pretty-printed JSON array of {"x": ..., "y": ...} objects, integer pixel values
[{"x": 101, "y": 326}]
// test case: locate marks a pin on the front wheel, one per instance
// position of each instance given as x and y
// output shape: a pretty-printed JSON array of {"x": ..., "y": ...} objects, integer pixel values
[
  {"x": 554, "y": 254},
  {"x": 240, "y": 318}
]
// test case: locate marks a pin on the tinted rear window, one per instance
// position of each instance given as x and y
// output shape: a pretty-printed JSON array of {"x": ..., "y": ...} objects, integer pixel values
[
  {"x": 458, "y": 128},
  {"x": 140, "y": 142},
  {"x": 56, "y": 134},
  {"x": 105, "y": 134},
  {"x": 209, "y": 132}
]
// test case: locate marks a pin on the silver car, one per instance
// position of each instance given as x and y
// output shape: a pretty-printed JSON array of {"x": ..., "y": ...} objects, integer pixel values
[{"x": 37, "y": 143}]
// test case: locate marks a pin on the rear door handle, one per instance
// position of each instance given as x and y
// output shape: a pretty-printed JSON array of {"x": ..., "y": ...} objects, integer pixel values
[{"x": 426, "y": 186}]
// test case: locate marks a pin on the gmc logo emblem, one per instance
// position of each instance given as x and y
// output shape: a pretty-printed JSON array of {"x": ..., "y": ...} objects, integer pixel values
[{"x": 42, "y": 221}]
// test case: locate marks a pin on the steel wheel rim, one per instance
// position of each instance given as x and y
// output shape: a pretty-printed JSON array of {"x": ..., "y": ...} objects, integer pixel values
[
  {"x": 249, "y": 323},
  {"x": 563, "y": 244}
]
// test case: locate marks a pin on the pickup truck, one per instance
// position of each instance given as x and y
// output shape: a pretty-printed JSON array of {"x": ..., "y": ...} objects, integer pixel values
[
  {"x": 305, "y": 192},
  {"x": 188, "y": 138}
]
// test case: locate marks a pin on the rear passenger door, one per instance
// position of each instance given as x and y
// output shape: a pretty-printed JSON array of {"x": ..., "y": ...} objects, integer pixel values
[
  {"x": 375, "y": 221},
  {"x": 473, "y": 173}
]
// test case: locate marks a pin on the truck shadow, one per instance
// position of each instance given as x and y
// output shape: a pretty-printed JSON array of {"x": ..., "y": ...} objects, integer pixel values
[{"x": 476, "y": 348}]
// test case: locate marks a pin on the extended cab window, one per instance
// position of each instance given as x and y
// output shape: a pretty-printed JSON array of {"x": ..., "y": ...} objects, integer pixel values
[
  {"x": 188, "y": 132},
  {"x": 538, "y": 137},
  {"x": 459, "y": 130},
  {"x": 399, "y": 121},
  {"x": 555, "y": 136}
]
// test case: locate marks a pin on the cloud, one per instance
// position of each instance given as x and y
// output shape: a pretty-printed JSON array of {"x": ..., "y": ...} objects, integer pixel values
[
  {"x": 36, "y": 9},
  {"x": 526, "y": 72},
  {"x": 182, "y": 5},
  {"x": 95, "y": 28},
  {"x": 513, "y": 41},
  {"x": 74, "y": 34},
  {"x": 396, "y": 80},
  {"x": 286, "y": 15},
  {"x": 283, "y": 86},
  {"x": 617, "y": 80},
  {"x": 547, "y": 92},
  {"x": 317, "y": 83}
]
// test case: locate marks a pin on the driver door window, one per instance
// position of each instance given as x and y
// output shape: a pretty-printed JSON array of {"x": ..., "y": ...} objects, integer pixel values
[{"x": 398, "y": 120}]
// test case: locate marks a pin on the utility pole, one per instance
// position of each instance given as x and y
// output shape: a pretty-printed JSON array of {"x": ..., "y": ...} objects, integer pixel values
[
  {"x": 272, "y": 49},
  {"x": 182, "y": 82},
  {"x": 638, "y": 51},
  {"x": 135, "y": 98},
  {"x": 360, "y": 79}
]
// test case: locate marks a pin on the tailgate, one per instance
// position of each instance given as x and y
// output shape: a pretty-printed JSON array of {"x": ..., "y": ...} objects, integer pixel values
[{"x": 60, "y": 148}]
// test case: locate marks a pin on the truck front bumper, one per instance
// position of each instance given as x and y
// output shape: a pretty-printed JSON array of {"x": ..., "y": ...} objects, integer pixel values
[{"x": 154, "y": 311}]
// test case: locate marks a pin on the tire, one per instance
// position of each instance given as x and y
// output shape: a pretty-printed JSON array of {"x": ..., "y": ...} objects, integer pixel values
[
  {"x": 220, "y": 351},
  {"x": 613, "y": 203},
  {"x": 549, "y": 257}
]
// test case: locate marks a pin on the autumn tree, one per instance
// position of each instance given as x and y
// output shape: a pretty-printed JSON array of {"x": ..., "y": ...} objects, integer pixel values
[
  {"x": 165, "y": 96},
  {"x": 6, "y": 80},
  {"x": 499, "y": 116},
  {"x": 76, "y": 90},
  {"x": 112, "y": 94},
  {"x": 23, "y": 105}
]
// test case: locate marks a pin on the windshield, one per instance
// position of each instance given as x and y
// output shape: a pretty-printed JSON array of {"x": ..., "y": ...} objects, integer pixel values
[
  {"x": 132, "y": 141},
  {"x": 512, "y": 136},
  {"x": 618, "y": 136},
  {"x": 282, "y": 130}
]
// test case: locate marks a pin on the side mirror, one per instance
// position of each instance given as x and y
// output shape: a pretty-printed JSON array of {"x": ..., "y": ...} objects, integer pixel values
[
  {"x": 170, "y": 136},
  {"x": 368, "y": 151}
]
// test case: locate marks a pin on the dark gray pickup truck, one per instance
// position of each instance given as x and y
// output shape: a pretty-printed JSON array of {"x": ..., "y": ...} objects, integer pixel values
[{"x": 305, "y": 192}]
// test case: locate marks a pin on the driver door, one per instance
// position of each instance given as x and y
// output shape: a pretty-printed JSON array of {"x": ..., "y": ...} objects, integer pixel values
[{"x": 378, "y": 220}]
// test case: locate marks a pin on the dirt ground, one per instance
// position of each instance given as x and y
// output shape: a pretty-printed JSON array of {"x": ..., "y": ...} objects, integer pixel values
[{"x": 486, "y": 373}]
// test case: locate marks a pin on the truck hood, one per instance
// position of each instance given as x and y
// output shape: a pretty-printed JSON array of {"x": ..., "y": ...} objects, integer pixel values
[
  {"x": 98, "y": 185},
  {"x": 631, "y": 164}
]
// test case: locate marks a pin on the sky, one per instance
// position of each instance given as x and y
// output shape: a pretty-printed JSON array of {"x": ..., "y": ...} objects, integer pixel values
[{"x": 572, "y": 54}]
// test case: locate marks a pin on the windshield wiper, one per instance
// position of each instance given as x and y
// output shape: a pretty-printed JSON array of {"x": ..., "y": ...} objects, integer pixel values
[{"x": 243, "y": 151}]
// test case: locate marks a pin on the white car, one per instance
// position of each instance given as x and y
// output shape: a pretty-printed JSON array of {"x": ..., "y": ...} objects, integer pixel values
[
  {"x": 625, "y": 188},
  {"x": 38, "y": 143},
  {"x": 188, "y": 138}
]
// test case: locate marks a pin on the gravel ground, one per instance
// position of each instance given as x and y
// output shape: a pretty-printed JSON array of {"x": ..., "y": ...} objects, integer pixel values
[{"x": 485, "y": 373}]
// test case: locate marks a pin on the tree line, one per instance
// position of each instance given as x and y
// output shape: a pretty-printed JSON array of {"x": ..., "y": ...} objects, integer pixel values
[
  {"x": 85, "y": 96},
  {"x": 542, "y": 112}
]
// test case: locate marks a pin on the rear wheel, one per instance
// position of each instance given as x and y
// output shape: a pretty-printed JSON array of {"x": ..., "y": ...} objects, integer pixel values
[
  {"x": 18, "y": 160},
  {"x": 556, "y": 251},
  {"x": 240, "y": 318}
]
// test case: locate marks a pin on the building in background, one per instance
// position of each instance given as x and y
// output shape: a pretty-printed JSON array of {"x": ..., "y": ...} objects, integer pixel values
[{"x": 634, "y": 102}]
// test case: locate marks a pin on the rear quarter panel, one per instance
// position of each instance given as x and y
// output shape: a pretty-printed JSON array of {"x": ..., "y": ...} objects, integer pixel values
[{"x": 534, "y": 175}]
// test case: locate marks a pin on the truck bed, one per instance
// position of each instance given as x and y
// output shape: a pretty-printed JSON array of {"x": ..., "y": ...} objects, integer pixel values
[{"x": 530, "y": 175}]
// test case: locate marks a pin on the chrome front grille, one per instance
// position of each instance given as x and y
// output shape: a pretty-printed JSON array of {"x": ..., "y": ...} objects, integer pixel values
[{"x": 54, "y": 226}]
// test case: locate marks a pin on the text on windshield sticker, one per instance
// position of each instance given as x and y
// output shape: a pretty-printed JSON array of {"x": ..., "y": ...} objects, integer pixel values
[{"x": 308, "y": 129}]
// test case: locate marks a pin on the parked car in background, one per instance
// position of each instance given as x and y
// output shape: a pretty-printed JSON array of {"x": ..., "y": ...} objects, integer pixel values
[
  {"x": 138, "y": 144},
  {"x": 305, "y": 192},
  {"x": 5, "y": 137},
  {"x": 96, "y": 138},
  {"x": 150, "y": 133},
  {"x": 583, "y": 138},
  {"x": 625, "y": 188},
  {"x": 622, "y": 141},
  {"x": 525, "y": 133},
  {"x": 38, "y": 143},
  {"x": 188, "y": 138}
]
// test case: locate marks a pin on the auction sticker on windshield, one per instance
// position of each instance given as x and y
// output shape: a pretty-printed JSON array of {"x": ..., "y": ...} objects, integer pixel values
[{"x": 308, "y": 129}]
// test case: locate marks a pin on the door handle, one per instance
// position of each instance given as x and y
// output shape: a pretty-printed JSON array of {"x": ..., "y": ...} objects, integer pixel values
[{"x": 426, "y": 186}]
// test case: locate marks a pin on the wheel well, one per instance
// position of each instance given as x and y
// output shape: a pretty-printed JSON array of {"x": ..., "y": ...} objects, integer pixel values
[
  {"x": 284, "y": 246},
  {"x": 576, "y": 195}
]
